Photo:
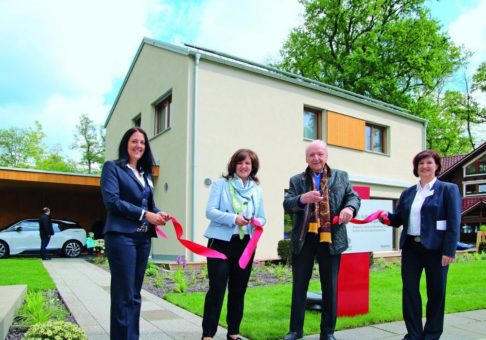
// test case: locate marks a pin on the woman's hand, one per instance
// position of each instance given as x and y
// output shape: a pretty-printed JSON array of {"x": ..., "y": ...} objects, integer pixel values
[
  {"x": 156, "y": 219},
  {"x": 446, "y": 260},
  {"x": 384, "y": 213},
  {"x": 241, "y": 220}
]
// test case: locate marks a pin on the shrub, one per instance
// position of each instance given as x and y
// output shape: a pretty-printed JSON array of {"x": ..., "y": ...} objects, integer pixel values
[
  {"x": 180, "y": 281},
  {"x": 482, "y": 227},
  {"x": 40, "y": 307},
  {"x": 99, "y": 248},
  {"x": 284, "y": 250},
  {"x": 55, "y": 330}
]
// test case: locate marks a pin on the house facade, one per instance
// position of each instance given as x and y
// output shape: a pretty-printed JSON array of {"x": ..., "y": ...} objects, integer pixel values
[
  {"x": 199, "y": 106},
  {"x": 469, "y": 173}
]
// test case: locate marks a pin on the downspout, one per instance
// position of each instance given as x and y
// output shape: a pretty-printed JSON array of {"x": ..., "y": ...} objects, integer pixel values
[
  {"x": 197, "y": 56},
  {"x": 425, "y": 135}
]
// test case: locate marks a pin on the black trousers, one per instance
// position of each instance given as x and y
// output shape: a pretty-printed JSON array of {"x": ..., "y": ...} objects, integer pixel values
[
  {"x": 128, "y": 256},
  {"x": 224, "y": 273},
  {"x": 44, "y": 243},
  {"x": 302, "y": 265},
  {"x": 415, "y": 259}
]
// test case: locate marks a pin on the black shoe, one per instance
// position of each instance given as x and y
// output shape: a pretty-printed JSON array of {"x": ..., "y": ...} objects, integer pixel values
[
  {"x": 293, "y": 336},
  {"x": 230, "y": 338},
  {"x": 46, "y": 258},
  {"x": 327, "y": 337}
]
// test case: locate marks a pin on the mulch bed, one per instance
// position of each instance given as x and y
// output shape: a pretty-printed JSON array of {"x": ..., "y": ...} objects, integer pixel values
[{"x": 17, "y": 331}]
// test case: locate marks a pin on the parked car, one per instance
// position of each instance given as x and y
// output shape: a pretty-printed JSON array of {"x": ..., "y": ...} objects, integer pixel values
[{"x": 23, "y": 237}]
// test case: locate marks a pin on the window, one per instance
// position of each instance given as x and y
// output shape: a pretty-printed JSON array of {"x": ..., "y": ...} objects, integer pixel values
[
  {"x": 162, "y": 114},
  {"x": 375, "y": 138},
  {"x": 471, "y": 189},
  {"x": 477, "y": 167},
  {"x": 312, "y": 124},
  {"x": 137, "y": 121}
]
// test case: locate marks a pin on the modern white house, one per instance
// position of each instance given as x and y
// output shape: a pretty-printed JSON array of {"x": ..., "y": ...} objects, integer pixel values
[{"x": 198, "y": 106}]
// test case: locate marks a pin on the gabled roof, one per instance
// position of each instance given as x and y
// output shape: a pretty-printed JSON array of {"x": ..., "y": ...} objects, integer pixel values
[
  {"x": 265, "y": 70},
  {"x": 451, "y": 163},
  {"x": 471, "y": 203}
]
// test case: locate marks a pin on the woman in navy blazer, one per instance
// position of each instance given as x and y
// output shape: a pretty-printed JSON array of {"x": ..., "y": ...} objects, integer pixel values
[
  {"x": 127, "y": 192},
  {"x": 235, "y": 200},
  {"x": 430, "y": 213}
]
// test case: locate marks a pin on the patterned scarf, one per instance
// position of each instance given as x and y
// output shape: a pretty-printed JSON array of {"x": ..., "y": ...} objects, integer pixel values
[{"x": 323, "y": 210}]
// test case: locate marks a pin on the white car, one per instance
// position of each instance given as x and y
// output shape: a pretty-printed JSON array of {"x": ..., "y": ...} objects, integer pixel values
[{"x": 23, "y": 237}]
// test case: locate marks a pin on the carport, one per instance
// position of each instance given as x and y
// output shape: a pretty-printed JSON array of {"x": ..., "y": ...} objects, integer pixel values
[{"x": 23, "y": 193}]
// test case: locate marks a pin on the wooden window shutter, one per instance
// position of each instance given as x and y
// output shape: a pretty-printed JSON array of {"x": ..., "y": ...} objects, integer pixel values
[{"x": 345, "y": 131}]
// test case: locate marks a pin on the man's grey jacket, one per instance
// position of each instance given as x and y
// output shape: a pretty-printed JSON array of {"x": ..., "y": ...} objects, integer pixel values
[{"x": 341, "y": 195}]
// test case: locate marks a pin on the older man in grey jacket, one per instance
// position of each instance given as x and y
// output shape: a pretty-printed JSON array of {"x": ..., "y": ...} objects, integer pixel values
[{"x": 314, "y": 197}]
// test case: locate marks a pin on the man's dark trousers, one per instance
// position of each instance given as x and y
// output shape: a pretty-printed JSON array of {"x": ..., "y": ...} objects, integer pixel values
[
  {"x": 44, "y": 242},
  {"x": 302, "y": 265}
]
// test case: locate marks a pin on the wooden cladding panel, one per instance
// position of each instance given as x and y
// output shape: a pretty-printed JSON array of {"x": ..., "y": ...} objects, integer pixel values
[
  {"x": 345, "y": 131},
  {"x": 28, "y": 176}
]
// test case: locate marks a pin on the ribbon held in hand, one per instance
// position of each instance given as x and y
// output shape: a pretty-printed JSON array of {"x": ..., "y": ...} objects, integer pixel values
[
  {"x": 192, "y": 246},
  {"x": 374, "y": 216},
  {"x": 250, "y": 247}
]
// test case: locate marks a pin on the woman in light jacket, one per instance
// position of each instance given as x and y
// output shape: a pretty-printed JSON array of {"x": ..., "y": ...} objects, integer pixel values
[{"x": 235, "y": 201}]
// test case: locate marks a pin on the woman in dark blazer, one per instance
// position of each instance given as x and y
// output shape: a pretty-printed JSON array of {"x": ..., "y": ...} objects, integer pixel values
[
  {"x": 127, "y": 192},
  {"x": 430, "y": 213},
  {"x": 234, "y": 204}
]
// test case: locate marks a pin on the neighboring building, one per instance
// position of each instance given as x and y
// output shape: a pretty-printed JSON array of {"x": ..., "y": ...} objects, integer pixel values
[
  {"x": 469, "y": 173},
  {"x": 198, "y": 106},
  {"x": 24, "y": 192}
]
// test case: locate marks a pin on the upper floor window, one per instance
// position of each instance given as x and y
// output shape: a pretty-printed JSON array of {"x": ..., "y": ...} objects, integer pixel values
[
  {"x": 162, "y": 115},
  {"x": 312, "y": 124},
  {"x": 375, "y": 137},
  {"x": 477, "y": 167},
  {"x": 471, "y": 189},
  {"x": 137, "y": 121}
]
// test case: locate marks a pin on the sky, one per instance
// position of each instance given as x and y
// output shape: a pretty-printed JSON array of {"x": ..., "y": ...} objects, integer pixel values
[{"x": 63, "y": 58}]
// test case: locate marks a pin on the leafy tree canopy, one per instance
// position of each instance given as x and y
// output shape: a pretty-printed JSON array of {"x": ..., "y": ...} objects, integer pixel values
[{"x": 390, "y": 50}]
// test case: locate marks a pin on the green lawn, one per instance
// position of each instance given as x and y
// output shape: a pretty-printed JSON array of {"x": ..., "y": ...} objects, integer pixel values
[
  {"x": 267, "y": 308},
  {"x": 25, "y": 271}
]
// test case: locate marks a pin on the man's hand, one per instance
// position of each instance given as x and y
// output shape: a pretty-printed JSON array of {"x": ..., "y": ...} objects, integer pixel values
[
  {"x": 313, "y": 196},
  {"x": 345, "y": 215}
]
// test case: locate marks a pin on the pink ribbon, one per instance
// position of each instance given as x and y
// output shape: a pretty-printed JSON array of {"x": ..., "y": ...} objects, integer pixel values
[
  {"x": 208, "y": 252},
  {"x": 250, "y": 247},
  {"x": 374, "y": 216}
]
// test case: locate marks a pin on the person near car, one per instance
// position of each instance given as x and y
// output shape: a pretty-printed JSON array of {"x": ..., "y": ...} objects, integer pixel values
[
  {"x": 430, "y": 213},
  {"x": 45, "y": 231},
  {"x": 314, "y": 197},
  {"x": 90, "y": 243},
  {"x": 235, "y": 204},
  {"x": 128, "y": 196}
]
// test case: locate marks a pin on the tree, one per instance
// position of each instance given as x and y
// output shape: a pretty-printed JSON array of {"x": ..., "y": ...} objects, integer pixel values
[
  {"x": 21, "y": 148},
  {"x": 479, "y": 78},
  {"x": 390, "y": 50},
  {"x": 54, "y": 161},
  {"x": 90, "y": 142}
]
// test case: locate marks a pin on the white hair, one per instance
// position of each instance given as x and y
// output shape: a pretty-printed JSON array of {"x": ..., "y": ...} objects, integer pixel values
[{"x": 318, "y": 142}]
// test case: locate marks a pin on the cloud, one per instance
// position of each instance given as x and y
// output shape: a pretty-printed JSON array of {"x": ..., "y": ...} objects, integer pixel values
[
  {"x": 469, "y": 30},
  {"x": 251, "y": 29},
  {"x": 59, "y": 58}
]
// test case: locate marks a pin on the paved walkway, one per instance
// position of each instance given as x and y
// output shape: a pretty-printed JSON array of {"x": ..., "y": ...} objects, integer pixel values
[{"x": 86, "y": 290}]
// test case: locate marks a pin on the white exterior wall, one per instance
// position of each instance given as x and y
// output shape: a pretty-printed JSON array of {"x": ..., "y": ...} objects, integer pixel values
[
  {"x": 242, "y": 109},
  {"x": 239, "y": 109},
  {"x": 159, "y": 72}
]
